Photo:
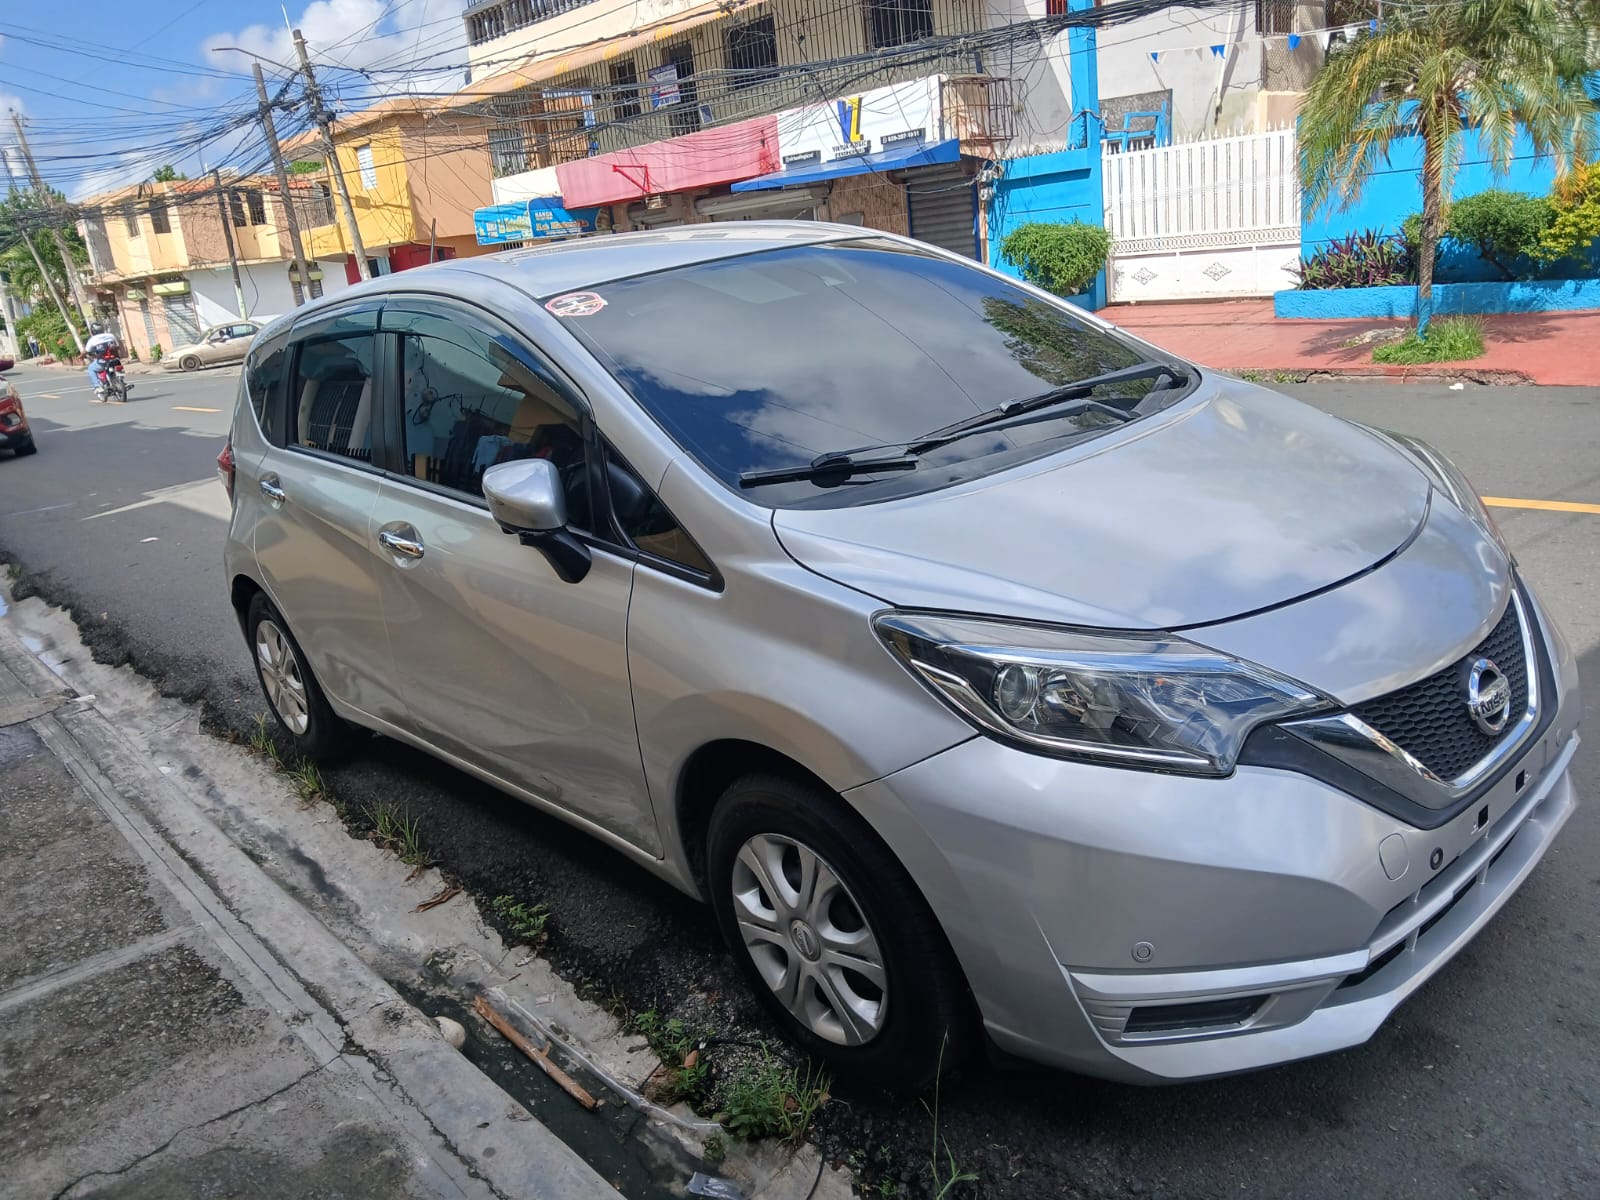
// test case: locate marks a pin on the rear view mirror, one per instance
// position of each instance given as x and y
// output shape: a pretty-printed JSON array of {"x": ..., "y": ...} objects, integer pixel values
[{"x": 527, "y": 499}]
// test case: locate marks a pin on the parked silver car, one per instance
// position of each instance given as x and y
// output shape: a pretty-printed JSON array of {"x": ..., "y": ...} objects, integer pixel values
[
  {"x": 225, "y": 343},
  {"x": 987, "y": 670}
]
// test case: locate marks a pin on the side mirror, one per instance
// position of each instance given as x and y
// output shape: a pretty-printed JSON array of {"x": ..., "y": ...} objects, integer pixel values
[{"x": 527, "y": 499}]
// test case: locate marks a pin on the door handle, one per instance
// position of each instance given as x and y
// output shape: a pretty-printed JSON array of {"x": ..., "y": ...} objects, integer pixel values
[
  {"x": 396, "y": 543},
  {"x": 271, "y": 490}
]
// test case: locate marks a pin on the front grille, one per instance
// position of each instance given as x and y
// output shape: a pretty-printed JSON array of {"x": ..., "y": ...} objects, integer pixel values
[{"x": 1429, "y": 719}]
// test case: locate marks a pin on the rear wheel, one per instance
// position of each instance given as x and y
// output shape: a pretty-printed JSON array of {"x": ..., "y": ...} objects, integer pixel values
[
  {"x": 117, "y": 390},
  {"x": 291, "y": 689},
  {"x": 189, "y": 362},
  {"x": 834, "y": 936}
]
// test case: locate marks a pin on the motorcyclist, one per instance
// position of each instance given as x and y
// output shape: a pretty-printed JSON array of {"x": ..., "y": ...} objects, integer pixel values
[{"x": 93, "y": 352}]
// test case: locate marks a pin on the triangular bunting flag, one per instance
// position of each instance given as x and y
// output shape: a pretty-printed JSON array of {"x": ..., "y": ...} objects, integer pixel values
[
  {"x": 1216, "y": 51},
  {"x": 1155, "y": 56},
  {"x": 1373, "y": 25},
  {"x": 1294, "y": 41},
  {"x": 1324, "y": 36}
]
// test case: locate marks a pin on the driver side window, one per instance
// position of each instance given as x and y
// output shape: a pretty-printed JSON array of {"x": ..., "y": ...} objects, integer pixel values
[{"x": 470, "y": 402}]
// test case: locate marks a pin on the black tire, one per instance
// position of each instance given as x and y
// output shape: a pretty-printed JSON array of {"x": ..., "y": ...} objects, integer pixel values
[
  {"x": 189, "y": 363},
  {"x": 323, "y": 736},
  {"x": 116, "y": 391},
  {"x": 927, "y": 1020},
  {"x": 23, "y": 449}
]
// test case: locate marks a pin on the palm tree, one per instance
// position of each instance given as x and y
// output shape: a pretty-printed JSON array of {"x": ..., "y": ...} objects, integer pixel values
[{"x": 1438, "y": 70}]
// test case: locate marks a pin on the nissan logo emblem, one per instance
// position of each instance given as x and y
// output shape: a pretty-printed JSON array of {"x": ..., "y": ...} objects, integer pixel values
[{"x": 1488, "y": 696}]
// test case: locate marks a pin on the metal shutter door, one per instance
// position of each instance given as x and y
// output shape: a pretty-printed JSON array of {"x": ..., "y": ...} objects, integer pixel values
[
  {"x": 182, "y": 324},
  {"x": 943, "y": 208}
]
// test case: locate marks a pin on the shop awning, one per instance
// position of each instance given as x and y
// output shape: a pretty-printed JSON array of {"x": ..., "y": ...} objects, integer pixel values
[
  {"x": 529, "y": 220},
  {"x": 917, "y": 154}
]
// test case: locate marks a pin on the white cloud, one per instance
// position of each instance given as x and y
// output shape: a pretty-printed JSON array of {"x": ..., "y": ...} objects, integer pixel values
[
  {"x": 128, "y": 167},
  {"x": 421, "y": 34}
]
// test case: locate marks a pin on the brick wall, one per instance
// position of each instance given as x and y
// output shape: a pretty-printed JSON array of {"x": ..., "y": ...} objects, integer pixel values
[{"x": 880, "y": 201}]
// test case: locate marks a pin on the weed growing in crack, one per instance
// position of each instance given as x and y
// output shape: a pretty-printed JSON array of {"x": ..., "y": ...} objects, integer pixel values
[
  {"x": 715, "y": 1151},
  {"x": 772, "y": 1099},
  {"x": 948, "y": 1175},
  {"x": 685, "y": 1071},
  {"x": 527, "y": 923},
  {"x": 262, "y": 741},
  {"x": 308, "y": 783},
  {"x": 395, "y": 829}
]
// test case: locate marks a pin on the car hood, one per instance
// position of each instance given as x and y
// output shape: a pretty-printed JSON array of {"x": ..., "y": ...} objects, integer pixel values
[{"x": 1235, "y": 500}]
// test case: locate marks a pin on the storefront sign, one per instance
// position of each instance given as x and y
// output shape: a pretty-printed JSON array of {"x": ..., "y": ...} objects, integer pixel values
[
  {"x": 530, "y": 220},
  {"x": 663, "y": 85},
  {"x": 852, "y": 125},
  {"x": 801, "y": 160}
]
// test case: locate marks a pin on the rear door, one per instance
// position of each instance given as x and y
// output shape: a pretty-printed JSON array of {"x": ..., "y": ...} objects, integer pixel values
[
  {"x": 318, "y": 485},
  {"x": 502, "y": 664}
]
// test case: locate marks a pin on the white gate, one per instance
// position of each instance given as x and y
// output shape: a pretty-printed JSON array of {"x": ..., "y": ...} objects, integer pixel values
[{"x": 1219, "y": 217}]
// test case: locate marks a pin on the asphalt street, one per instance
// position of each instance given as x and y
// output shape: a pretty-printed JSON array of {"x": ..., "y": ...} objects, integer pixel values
[{"x": 1486, "y": 1083}]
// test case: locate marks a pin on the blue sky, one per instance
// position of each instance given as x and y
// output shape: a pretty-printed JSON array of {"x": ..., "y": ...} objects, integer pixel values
[{"x": 111, "y": 91}]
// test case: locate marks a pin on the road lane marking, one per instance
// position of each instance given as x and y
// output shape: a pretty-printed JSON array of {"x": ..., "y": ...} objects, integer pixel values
[
  {"x": 1546, "y": 505},
  {"x": 186, "y": 408},
  {"x": 48, "y": 396}
]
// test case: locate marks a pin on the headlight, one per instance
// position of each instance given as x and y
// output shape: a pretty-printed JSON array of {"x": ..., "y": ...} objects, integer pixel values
[{"x": 1150, "y": 700}]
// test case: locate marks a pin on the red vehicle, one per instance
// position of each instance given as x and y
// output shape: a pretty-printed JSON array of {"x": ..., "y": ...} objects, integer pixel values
[{"x": 14, "y": 432}]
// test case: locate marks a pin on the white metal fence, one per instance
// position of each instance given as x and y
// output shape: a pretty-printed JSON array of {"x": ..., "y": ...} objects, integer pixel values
[{"x": 1219, "y": 217}]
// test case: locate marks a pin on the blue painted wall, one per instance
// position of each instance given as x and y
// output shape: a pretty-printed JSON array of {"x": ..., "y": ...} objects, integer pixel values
[{"x": 1543, "y": 295}]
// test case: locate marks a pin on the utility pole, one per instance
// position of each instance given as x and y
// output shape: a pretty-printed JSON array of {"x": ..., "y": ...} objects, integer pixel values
[
  {"x": 67, "y": 268},
  {"x": 44, "y": 275},
  {"x": 227, "y": 232},
  {"x": 325, "y": 123},
  {"x": 289, "y": 215}
]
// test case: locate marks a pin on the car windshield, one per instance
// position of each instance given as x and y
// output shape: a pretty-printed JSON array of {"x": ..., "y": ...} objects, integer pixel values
[{"x": 775, "y": 359}]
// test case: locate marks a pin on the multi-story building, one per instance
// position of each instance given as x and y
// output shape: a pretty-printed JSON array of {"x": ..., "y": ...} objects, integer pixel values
[
  {"x": 159, "y": 263},
  {"x": 414, "y": 174},
  {"x": 639, "y": 113}
]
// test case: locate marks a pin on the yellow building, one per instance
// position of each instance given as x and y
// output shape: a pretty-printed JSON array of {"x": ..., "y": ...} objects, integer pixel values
[{"x": 415, "y": 176}]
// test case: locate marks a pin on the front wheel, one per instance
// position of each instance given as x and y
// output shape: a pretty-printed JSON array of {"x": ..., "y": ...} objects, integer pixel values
[
  {"x": 189, "y": 362},
  {"x": 23, "y": 449},
  {"x": 291, "y": 689},
  {"x": 834, "y": 936}
]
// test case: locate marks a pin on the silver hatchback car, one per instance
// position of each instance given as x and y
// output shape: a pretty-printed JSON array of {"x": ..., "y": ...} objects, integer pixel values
[{"x": 991, "y": 673}]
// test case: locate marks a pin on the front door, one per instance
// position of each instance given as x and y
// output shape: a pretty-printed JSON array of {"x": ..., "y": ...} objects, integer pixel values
[
  {"x": 502, "y": 664},
  {"x": 316, "y": 487}
]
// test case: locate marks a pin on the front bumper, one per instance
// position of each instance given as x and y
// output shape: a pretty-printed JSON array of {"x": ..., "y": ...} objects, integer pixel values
[{"x": 1155, "y": 928}]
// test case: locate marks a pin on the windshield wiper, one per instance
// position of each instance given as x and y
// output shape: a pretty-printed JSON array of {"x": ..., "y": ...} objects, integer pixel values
[
  {"x": 827, "y": 470},
  {"x": 1078, "y": 390}
]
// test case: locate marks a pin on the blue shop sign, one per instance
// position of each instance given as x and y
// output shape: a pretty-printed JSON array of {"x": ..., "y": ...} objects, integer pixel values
[{"x": 530, "y": 220}]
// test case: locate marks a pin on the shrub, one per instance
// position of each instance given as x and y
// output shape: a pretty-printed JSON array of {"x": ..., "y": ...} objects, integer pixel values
[
  {"x": 46, "y": 325},
  {"x": 1575, "y": 219},
  {"x": 1367, "y": 259},
  {"x": 1503, "y": 227},
  {"x": 1449, "y": 339},
  {"x": 1061, "y": 258}
]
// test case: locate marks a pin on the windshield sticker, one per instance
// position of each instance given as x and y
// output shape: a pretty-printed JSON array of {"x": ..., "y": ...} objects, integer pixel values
[{"x": 576, "y": 304}]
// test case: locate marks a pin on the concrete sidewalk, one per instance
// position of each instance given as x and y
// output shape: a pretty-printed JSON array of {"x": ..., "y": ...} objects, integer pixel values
[
  {"x": 1239, "y": 335},
  {"x": 172, "y": 1023}
]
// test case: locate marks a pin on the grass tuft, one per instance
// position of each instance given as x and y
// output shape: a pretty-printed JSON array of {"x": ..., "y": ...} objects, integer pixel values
[
  {"x": 1449, "y": 339},
  {"x": 771, "y": 1099},
  {"x": 527, "y": 923},
  {"x": 308, "y": 783},
  {"x": 262, "y": 741},
  {"x": 397, "y": 830},
  {"x": 947, "y": 1175}
]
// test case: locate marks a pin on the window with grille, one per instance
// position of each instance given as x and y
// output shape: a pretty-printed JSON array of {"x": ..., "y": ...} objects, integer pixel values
[
  {"x": 508, "y": 151},
  {"x": 753, "y": 52},
  {"x": 258, "y": 207},
  {"x": 130, "y": 220},
  {"x": 368, "y": 169},
  {"x": 159, "y": 220},
  {"x": 1275, "y": 16},
  {"x": 897, "y": 22},
  {"x": 624, "y": 90},
  {"x": 236, "y": 209}
]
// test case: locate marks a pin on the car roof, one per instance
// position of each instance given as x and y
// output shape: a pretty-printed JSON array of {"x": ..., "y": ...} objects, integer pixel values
[{"x": 590, "y": 262}]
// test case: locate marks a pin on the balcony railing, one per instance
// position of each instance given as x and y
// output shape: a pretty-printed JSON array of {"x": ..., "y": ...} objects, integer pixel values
[
  {"x": 496, "y": 18},
  {"x": 743, "y": 67}
]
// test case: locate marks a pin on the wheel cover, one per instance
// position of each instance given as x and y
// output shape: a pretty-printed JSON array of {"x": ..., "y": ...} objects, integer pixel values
[
  {"x": 281, "y": 678},
  {"x": 810, "y": 940}
]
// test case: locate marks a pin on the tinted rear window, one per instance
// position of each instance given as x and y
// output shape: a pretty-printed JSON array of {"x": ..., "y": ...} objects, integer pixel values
[{"x": 770, "y": 359}]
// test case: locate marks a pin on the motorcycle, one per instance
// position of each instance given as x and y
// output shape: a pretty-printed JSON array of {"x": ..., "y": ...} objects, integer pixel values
[{"x": 114, "y": 388}]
